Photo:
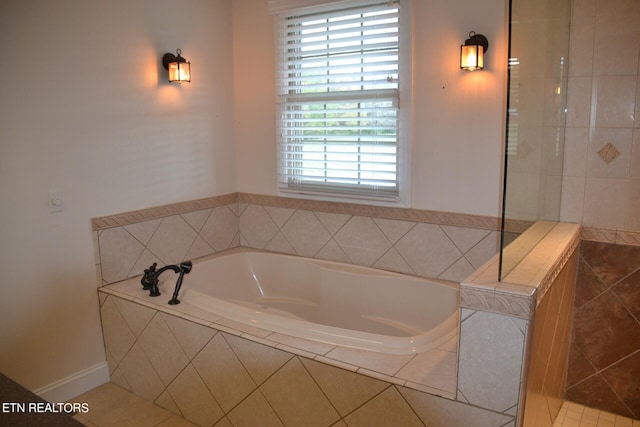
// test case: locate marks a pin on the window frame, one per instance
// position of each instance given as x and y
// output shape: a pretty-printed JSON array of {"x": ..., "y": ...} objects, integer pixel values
[{"x": 403, "y": 101}]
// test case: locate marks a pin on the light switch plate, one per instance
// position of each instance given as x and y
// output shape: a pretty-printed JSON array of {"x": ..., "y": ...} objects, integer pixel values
[{"x": 56, "y": 202}]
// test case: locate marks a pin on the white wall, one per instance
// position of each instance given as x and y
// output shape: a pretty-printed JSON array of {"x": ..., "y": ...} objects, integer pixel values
[
  {"x": 84, "y": 108},
  {"x": 458, "y": 117}
]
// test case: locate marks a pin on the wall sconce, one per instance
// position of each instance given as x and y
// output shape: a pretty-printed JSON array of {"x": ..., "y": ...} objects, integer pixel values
[
  {"x": 178, "y": 67},
  {"x": 472, "y": 52}
]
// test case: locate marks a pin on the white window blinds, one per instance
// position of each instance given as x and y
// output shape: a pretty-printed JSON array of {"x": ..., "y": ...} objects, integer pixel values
[{"x": 338, "y": 100}]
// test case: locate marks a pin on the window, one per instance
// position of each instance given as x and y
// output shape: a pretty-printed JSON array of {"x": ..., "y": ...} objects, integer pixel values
[{"x": 338, "y": 98}]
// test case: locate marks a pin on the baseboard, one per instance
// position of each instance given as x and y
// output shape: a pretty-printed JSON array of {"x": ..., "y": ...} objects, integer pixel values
[{"x": 76, "y": 384}]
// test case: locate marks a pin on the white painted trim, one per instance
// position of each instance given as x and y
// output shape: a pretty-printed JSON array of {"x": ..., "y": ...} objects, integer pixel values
[{"x": 76, "y": 384}]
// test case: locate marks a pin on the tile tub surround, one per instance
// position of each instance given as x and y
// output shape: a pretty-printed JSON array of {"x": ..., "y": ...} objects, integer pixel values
[
  {"x": 213, "y": 372},
  {"x": 604, "y": 368},
  {"x": 429, "y": 244},
  {"x": 505, "y": 351},
  {"x": 396, "y": 239},
  {"x": 402, "y": 240}
]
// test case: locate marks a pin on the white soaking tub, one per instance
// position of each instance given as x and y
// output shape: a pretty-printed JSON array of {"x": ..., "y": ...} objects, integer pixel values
[{"x": 325, "y": 301}]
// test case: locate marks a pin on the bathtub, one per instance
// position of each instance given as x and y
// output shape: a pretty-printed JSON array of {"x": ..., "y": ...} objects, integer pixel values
[{"x": 325, "y": 301}]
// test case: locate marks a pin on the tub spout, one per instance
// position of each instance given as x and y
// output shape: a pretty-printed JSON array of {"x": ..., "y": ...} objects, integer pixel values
[{"x": 150, "y": 280}]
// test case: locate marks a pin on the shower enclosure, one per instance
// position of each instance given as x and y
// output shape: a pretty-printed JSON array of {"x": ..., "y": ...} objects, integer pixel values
[{"x": 536, "y": 110}]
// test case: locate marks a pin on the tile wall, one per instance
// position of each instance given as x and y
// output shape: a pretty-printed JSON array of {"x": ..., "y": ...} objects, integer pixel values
[
  {"x": 514, "y": 342},
  {"x": 601, "y": 190},
  {"x": 604, "y": 368},
  {"x": 495, "y": 320},
  {"x": 490, "y": 360},
  {"x": 423, "y": 243},
  {"x": 601, "y": 177},
  {"x": 215, "y": 377},
  {"x": 550, "y": 333}
]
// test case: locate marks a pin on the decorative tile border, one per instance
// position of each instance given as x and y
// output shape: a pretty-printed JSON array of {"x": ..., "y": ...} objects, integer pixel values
[
  {"x": 603, "y": 235},
  {"x": 415, "y": 215},
  {"x": 556, "y": 269},
  {"x": 527, "y": 284},
  {"x": 517, "y": 226},
  {"x": 623, "y": 237},
  {"x": 496, "y": 302},
  {"x": 133, "y": 217}
]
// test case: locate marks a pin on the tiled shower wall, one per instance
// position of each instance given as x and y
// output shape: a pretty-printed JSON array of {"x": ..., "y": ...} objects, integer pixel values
[
  {"x": 601, "y": 190},
  {"x": 423, "y": 243},
  {"x": 601, "y": 173},
  {"x": 604, "y": 367}
]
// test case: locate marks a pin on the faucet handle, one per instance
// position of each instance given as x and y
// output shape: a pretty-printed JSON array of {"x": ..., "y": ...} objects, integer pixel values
[
  {"x": 148, "y": 280},
  {"x": 186, "y": 266}
]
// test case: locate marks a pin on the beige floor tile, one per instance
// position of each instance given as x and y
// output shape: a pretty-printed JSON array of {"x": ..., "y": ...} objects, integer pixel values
[
  {"x": 139, "y": 413},
  {"x": 575, "y": 415},
  {"x": 176, "y": 421},
  {"x": 111, "y": 405},
  {"x": 84, "y": 421},
  {"x": 103, "y": 399}
]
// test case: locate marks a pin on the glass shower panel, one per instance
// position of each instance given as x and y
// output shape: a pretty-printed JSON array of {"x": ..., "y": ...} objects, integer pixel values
[{"x": 536, "y": 110}]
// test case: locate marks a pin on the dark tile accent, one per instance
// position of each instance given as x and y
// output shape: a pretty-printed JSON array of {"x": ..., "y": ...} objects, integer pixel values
[
  {"x": 610, "y": 262},
  {"x": 605, "y": 330},
  {"x": 624, "y": 379},
  {"x": 628, "y": 291},
  {"x": 596, "y": 393},
  {"x": 604, "y": 366},
  {"x": 579, "y": 367},
  {"x": 588, "y": 285}
]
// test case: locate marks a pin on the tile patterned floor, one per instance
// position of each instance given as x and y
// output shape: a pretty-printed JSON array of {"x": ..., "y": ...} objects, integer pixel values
[
  {"x": 574, "y": 415},
  {"x": 111, "y": 405}
]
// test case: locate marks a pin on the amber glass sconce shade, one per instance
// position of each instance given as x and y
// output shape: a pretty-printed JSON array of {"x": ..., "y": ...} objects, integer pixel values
[
  {"x": 179, "y": 68},
  {"x": 472, "y": 52}
]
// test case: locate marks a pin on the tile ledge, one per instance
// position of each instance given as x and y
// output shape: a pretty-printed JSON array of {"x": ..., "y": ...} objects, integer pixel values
[{"x": 527, "y": 283}]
